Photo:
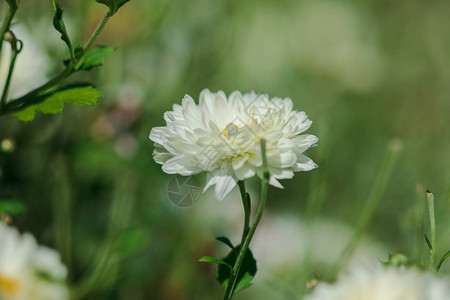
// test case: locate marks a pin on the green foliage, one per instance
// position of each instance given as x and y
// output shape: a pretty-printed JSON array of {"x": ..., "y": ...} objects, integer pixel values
[
  {"x": 444, "y": 257},
  {"x": 225, "y": 266},
  {"x": 214, "y": 260},
  {"x": 59, "y": 25},
  {"x": 225, "y": 240},
  {"x": 113, "y": 5},
  {"x": 398, "y": 260},
  {"x": 246, "y": 273},
  {"x": 12, "y": 3},
  {"x": 93, "y": 58},
  {"x": 54, "y": 103},
  {"x": 430, "y": 247},
  {"x": 12, "y": 207}
]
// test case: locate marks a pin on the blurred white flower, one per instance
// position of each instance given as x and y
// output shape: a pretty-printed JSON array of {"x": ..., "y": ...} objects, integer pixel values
[
  {"x": 27, "y": 270},
  {"x": 383, "y": 283},
  {"x": 221, "y": 136}
]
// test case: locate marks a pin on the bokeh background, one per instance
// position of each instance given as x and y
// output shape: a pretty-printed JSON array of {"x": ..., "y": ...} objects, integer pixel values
[{"x": 366, "y": 72}]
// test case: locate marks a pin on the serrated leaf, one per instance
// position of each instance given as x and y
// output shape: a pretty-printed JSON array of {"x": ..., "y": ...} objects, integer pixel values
[
  {"x": 113, "y": 5},
  {"x": 12, "y": 207},
  {"x": 444, "y": 257},
  {"x": 93, "y": 58},
  {"x": 246, "y": 273},
  {"x": 214, "y": 260},
  {"x": 225, "y": 240},
  {"x": 428, "y": 242},
  {"x": 59, "y": 25},
  {"x": 54, "y": 103}
]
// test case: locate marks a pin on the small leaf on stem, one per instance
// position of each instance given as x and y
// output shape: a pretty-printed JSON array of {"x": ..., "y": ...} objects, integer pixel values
[
  {"x": 12, "y": 3},
  {"x": 428, "y": 242},
  {"x": 214, "y": 260},
  {"x": 59, "y": 25},
  {"x": 444, "y": 257},
  {"x": 113, "y": 5},
  {"x": 93, "y": 58},
  {"x": 246, "y": 273},
  {"x": 225, "y": 240}
]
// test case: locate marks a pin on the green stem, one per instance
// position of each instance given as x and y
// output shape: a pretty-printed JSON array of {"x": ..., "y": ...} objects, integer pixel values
[
  {"x": 97, "y": 31},
  {"x": 421, "y": 210},
  {"x": 26, "y": 100},
  {"x": 14, "y": 52},
  {"x": 372, "y": 203},
  {"x": 23, "y": 101},
  {"x": 244, "y": 247},
  {"x": 247, "y": 209},
  {"x": 6, "y": 24},
  {"x": 430, "y": 199}
]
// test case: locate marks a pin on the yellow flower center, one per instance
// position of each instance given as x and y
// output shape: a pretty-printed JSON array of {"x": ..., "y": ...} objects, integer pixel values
[{"x": 8, "y": 286}]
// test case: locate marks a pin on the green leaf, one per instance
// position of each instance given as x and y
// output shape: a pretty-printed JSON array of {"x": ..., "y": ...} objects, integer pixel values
[
  {"x": 12, "y": 207},
  {"x": 444, "y": 257},
  {"x": 225, "y": 240},
  {"x": 93, "y": 58},
  {"x": 12, "y": 3},
  {"x": 214, "y": 260},
  {"x": 428, "y": 242},
  {"x": 398, "y": 260},
  {"x": 246, "y": 273},
  {"x": 113, "y": 5},
  {"x": 59, "y": 25},
  {"x": 54, "y": 103}
]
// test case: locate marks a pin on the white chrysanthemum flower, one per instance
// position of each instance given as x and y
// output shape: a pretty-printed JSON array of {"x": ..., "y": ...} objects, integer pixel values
[
  {"x": 221, "y": 136},
  {"x": 27, "y": 270},
  {"x": 383, "y": 283}
]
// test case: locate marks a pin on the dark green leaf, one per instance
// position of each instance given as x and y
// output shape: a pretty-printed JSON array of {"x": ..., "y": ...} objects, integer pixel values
[
  {"x": 113, "y": 5},
  {"x": 214, "y": 260},
  {"x": 225, "y": 240},
  {"x": 245, "y": 275},
  {"x": 54, "y": 103},
  {"x": 12, "y": 207},
  {"x": 59, "y": 25},
  {"x": 444, "y": 257},
  {"x": 428, "y": 243},
  {"x": 93, "y": 58},
  {"x": 12, "y": 3}
]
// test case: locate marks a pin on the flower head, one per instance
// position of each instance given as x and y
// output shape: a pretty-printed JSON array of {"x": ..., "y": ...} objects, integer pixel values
[
  {"x": 383, "y": 283},
  {"x": 27, "y": 270},
  {"x": 221, "y": 136}
]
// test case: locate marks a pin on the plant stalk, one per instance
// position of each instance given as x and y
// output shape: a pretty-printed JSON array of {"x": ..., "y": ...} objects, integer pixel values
[
  {"x": 26, "y": 100},
  {"x": 14, "y": 52},
  {"x": 372, "y": 202},
  {"x": 251, "y": 232},
  {"x": 430, "y": 199},
  {"x": 6, "y": 24},
  {"x": 97, "y": 31},
  {"x": 247, "y": 209}
]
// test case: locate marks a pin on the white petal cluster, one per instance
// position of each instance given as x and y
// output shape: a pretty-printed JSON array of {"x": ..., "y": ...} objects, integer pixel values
[
  {"x": 221, "y": 136},
  {"x": 383, "y": 283},
  {"x": 27, "y": 270}
]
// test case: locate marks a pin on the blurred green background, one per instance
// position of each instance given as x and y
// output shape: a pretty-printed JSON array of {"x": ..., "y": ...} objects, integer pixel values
[{"x": 365, "y": 72}]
